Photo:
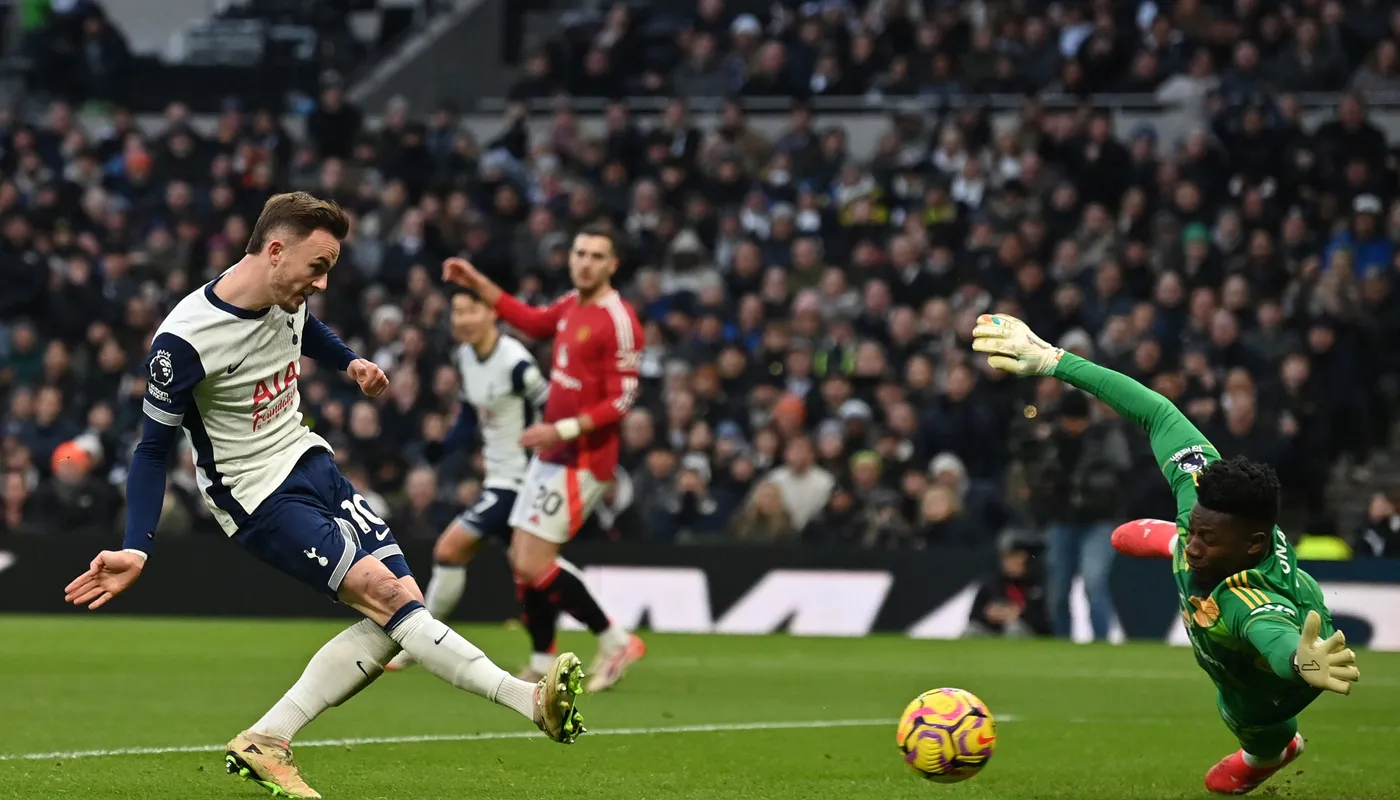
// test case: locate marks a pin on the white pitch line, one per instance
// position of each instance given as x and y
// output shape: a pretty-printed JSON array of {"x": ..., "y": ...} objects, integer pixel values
[{"x": 719, "y": 727}]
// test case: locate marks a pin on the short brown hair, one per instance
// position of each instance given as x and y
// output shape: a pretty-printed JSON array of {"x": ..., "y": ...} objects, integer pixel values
[
  {"x": 606, "y": 231},
  {"x": 302, "y": 213}
]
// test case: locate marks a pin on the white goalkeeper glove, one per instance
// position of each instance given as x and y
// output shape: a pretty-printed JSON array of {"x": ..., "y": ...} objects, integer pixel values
[
  {"x": 1325, "y": 663},
  {"x": 1013, "y": 346}
]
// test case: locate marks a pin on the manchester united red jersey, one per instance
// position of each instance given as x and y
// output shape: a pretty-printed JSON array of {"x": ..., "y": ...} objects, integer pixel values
[{"x": 597, "y": 352}]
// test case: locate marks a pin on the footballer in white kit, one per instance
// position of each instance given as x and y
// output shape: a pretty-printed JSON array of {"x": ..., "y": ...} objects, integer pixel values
[
  {"x": 224, "y": 369},
  {"x": 503, "y": 393},
  {"x": 228, "y": 377}
]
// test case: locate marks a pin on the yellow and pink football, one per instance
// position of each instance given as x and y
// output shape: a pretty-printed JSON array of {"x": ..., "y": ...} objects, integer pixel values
[{"x": 947, "y": 735}]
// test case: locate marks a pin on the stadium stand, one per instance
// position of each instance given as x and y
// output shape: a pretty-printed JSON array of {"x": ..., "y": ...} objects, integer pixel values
[
  {"x": 807, "y": 313},
  {"x": 266, "y": 53}
]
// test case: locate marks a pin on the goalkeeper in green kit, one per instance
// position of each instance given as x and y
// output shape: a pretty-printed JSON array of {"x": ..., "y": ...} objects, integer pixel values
[{"x": 1254, "y": 618}]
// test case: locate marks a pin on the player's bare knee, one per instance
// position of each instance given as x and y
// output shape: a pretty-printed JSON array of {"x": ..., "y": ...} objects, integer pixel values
[
  {"x": 521, "y": 565},
  {"x": 445, "y": 551},
  {"x": 530, "y": 556},
  {"x": 456, "y": 546},
  {"x": 386, "y": 592},
  {"x": 453, "y": 550},
  {"x": 410, "y": 585},
  {"x": 370, "y": 587}
]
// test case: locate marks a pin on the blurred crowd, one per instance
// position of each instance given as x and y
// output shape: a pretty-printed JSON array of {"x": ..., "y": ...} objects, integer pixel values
[
  {"x": 1178, "y": 50},
  {"x": 807, "y": 314},
  {"x": 78, "y": 51},
  {"x": 74, "y": 50}
]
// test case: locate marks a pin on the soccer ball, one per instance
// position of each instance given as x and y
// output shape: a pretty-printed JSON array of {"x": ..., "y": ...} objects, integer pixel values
[{"x": 947, "y": 735}]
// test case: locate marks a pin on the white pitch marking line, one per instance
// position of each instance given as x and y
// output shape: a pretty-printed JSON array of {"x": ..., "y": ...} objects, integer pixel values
[{"x": 719, "y": 727}]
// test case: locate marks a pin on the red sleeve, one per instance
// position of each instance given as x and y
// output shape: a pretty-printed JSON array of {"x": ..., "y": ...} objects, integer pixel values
[
  {"x": 622, "y": 376},
  {"x": 537, "y": 323}
]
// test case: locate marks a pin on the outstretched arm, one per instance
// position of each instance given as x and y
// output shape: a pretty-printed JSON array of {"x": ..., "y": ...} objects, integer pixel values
[
  {"x": 324, "y": 347},
  {"x": 113, "y": 571},
  {"x": 1293, "y": 650},
  {"x": 1277, "y": 642},
  {"x": 1181, "y": 450},
  {"x": 145, "y": 485},
  {"x": 537, "y": 323},
  {"x": 174, "y": 369},
  {"x": 1167, "y": 428}
]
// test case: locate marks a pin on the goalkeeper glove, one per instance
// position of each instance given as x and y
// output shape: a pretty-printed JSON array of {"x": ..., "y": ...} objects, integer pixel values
[
  {"x": 1325, "y": 663},
  {"x": 1013, "y": 346}
]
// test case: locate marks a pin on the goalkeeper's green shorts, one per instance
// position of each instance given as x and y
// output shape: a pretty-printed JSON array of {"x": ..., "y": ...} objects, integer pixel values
[{"x": 1265, "y": 739}]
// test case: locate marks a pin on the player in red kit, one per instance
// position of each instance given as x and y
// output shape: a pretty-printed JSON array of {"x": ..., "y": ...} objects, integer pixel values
[{"x": 593, "y": 384}]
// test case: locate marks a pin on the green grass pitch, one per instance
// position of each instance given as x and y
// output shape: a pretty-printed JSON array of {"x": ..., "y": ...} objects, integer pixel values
[{"x": 767, "y": 718}]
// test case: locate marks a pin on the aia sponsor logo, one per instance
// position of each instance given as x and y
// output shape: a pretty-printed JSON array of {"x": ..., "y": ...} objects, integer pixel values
[{"x": 275, "y": 395}]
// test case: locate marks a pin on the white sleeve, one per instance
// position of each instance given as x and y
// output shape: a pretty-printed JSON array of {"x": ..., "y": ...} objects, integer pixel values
[{"x": 529, "y": 382}]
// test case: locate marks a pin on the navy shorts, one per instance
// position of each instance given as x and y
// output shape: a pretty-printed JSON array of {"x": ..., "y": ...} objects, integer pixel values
[
  {"x": 315, "y": 527},
  {"x": 490, "y": 517}
]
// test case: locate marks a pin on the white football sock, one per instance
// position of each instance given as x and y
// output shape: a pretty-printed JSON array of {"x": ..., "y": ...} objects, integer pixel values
[
  {"x": 613, "y": 637},
  {"x": 341, "y": 668},
  {"x": 443, "y": 652},
  {"x": 1257, "y": 762},
  {"x": 517, "y": 694},
  {"x": 445, "y": 589},
  {"x": 541, "y": 662}
]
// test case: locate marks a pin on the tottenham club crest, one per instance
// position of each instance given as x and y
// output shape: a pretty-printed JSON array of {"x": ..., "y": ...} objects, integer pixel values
[{"x": 162, "y": 368}]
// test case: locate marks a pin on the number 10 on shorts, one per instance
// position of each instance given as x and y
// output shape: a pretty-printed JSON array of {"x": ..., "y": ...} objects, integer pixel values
[{"x": 358, "y": 510}]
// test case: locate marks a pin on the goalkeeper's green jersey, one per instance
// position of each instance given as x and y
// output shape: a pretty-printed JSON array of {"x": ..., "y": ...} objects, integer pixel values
[{"x": 1245, "y": 630}]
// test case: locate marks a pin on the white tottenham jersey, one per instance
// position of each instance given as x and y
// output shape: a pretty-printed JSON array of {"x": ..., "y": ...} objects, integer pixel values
[
  {"x": 507, "y": 391},
  {"x": 228, "y": 376}
]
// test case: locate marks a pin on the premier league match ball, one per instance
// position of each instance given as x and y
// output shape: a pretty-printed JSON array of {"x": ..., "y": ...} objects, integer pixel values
[{"x": 947, "y": 735}]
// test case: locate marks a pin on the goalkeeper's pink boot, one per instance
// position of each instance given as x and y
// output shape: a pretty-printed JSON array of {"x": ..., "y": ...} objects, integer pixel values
[
  {"x": 1146, "y": 538},
  {"x": 1234, "y": 776}
]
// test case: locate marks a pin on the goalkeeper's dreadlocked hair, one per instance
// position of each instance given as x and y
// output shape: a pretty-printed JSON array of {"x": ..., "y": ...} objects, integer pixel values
[{"x": 1245, "y": 490}]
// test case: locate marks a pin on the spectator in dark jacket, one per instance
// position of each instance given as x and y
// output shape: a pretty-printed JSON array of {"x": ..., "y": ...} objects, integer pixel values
[
  {"x": 1380, "y": 533},
  {"x": 1011, "y": 600},
  {"x": 1077, "y": 473},
  {"x": 692, "y": 512},
  {"x": 77, "y": 501}
]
